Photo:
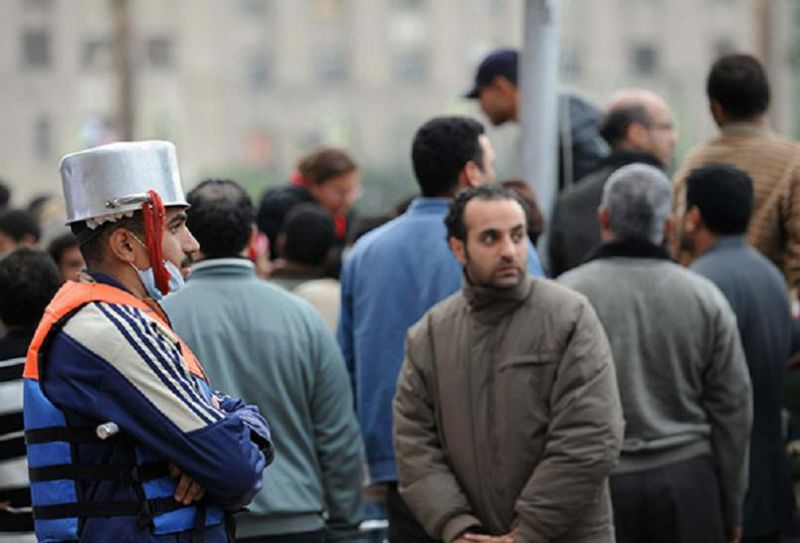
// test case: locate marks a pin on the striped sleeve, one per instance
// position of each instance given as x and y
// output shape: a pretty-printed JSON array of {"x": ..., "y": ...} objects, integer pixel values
[
  {"x": 13, "y": 464},
  {"x": 147, "y": 355}
]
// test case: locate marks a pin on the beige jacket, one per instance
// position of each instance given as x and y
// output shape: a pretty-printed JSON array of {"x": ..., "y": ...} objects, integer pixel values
[
  {"x": 773, "y": 163},
  {"x": 507, "y": 415}
]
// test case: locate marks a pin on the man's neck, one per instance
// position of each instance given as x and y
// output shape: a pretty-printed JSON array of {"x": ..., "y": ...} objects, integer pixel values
[
  {"x": 125, "y": 276},
  {"x": 703, "y": 241},
  {"x": 760, "y": 122}
]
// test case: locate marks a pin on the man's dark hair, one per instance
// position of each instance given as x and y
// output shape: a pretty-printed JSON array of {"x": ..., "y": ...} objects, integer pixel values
[
  {"x": 724, "y": 196},
  {"x": 441, "y": 148},
  {"x": 60, "y": 244},
  {"x": 38, "y": 204},
  {"x": 308, "y": 235},
  {"x": 456, "y": 228},
  {"x": 28, "y": 281},
  {"x": 17, "y": 224},
  {"x": 739, "y": 83},
  {"x": 5, "y": 194},
  {"x": 93, "y": 242},
  {"x": 220, "y": 217},
  {"x": 615, "y": 124}
]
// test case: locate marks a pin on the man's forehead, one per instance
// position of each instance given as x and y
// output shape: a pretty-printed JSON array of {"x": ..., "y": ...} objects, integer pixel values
[{"x": 500, "y": 213}]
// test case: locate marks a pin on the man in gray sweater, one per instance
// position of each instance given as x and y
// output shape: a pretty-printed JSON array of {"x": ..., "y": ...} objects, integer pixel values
[{"x": 683, "y": 380}]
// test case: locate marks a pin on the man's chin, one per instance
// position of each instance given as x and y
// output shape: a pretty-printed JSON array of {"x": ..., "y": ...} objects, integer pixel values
[{"x": 507, "y": 281}]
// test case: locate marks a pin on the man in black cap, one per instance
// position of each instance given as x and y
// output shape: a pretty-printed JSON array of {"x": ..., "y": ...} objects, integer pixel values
[{"x": 495, "y": 88}]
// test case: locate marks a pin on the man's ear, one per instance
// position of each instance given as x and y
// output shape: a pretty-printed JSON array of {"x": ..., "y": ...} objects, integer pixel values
[
  {"x": 717, "y": 112},
  {"x": 280, "y": 241},
  {"x": 459, "y": 249},
  {"x": 602, "y": 218},
  {"x": 605, "y": 225},
  {"x": 472, "y": 174},
  {"x": 504, "y": 85},
  {"x": 692, "y": 220},
  {"x": 636, "y": 136},
  {"x": 669, "y": 226},
  {"x": 120, "y": 244},
  {"x": 28, "y": 240}
]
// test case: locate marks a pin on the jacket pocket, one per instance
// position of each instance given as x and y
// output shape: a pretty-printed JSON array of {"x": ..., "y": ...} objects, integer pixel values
[
  {"x": 531, "y": 359},
  {"x": 524, "y": 384}
]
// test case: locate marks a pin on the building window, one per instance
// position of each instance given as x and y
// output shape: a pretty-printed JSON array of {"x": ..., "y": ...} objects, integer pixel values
[
  {"x": 331, "y": 65},
  {"x": 160, "y": 52},
  {"x": 254, "y": 7},
  {"x": 37, "y": 5},
  {"x": 42, "y": 140},
  {"x": 409, "y": 5},
  {"x": 97, "y": 54},
  {"x": 489, "y": 7},
  {"x": 645, "y": 60},
  {"x": 257, "y": 72},
  {"x": 571, "y": 66},
  {"x": 36, "y": 49},
  {"x": 411, "y": 67}
]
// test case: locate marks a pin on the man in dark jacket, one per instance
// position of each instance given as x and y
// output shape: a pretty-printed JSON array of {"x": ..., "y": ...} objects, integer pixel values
[
  {"x": 719, "y": 202},
  {"x": 638, "y": 126},
  {"x": 507, "y": 417},
  {"x": 580, "y": 146},
  {"x": 28, "y": 280}
]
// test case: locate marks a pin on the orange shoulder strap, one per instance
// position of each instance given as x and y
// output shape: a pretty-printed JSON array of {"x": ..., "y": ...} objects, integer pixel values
[{"x": 73, "y": 296}]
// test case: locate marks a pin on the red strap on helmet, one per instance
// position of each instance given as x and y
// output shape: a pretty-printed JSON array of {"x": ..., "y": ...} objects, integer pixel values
[{"x": 154, "y": 215}]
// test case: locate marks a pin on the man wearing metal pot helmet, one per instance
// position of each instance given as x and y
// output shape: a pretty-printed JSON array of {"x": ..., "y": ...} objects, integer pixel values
[{"x": 125, "y": 440}]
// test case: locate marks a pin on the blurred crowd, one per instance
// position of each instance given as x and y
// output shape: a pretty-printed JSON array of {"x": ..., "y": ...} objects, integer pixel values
[{"x": 424, "y": 381}]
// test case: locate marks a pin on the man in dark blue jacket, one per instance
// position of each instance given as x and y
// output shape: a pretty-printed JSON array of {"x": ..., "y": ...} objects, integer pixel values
[
  {"x": 718, "y": 205},
  {"x": 126, "y": 442}
]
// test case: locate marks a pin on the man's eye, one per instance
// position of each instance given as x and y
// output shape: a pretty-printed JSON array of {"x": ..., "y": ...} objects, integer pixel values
[
  {"x": 489, "y": 238},
  {"x": 517, "y": 236}
]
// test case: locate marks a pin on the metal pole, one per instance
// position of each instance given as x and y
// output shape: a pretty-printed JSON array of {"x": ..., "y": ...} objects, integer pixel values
[
  {"x": 539, "y": 101},
  {"x": 123, "y": 68}
]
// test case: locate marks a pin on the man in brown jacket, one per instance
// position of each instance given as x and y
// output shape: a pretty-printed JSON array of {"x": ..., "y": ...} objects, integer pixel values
[
  {"x": 507, "y": 419},
  {"x": 738, "y": 92}
]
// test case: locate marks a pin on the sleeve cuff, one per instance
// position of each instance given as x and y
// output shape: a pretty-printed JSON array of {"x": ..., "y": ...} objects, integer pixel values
[{"x": 457, "y": 525}]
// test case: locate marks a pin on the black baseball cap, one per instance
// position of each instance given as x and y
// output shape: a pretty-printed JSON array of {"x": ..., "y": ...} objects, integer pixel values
[{"x": 502, "y": 62}]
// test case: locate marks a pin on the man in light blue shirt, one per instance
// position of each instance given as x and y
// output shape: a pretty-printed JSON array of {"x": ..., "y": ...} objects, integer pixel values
[{"x": 393, "y": 276}]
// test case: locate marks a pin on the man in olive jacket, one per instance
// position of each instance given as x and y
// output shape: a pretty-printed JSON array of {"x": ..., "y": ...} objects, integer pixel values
[{"x": 507, "y": 419}]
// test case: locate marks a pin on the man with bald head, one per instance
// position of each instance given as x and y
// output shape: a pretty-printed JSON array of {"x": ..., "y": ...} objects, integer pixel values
[{"x": 638, "y": 127}]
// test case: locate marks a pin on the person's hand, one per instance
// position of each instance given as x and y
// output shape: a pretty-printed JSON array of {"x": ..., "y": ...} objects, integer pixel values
[
  {"x": 734, "y": 534},
  {"x": 188, "y": 490},
  {"x": 4, "y": 505}
]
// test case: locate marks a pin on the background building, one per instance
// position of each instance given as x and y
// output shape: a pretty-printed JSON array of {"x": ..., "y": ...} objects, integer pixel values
[{"x": 245, "y": 86}]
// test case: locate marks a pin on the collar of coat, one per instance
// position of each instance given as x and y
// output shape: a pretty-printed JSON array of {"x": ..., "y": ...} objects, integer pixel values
[
  {"x": 630, "y": 248},
  {"x": 490, "y": 303},
  {"x": 623, "y": 157}
]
